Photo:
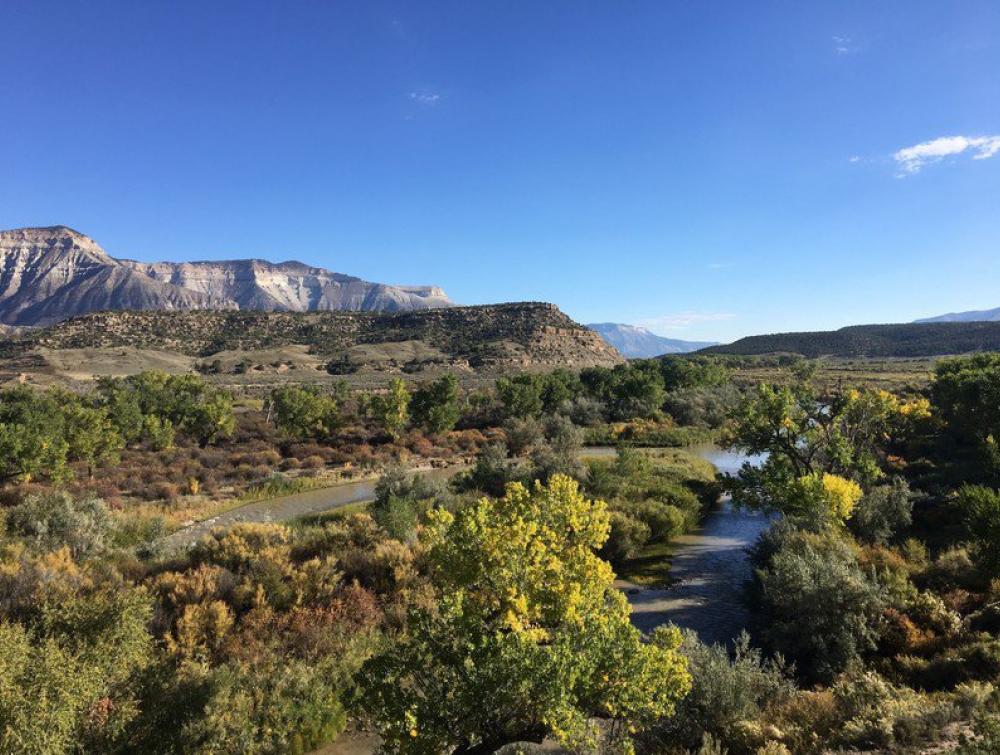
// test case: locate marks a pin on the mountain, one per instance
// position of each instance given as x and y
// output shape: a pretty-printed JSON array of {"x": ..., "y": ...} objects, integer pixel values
[
  {"x": 49, "y": 274},
  {"x": 635, "y": 342},
  {"x": 981, "y": 315},
  {"x": 884, "y": 341}
]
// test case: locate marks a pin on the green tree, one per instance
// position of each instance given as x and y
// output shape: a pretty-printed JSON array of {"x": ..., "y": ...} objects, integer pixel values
[
  {"x": 181, "y": 403},
  {"x": 692, "y": 372},
  {"x": 198, "y": 410},
  {"x": 521, "y": 395},
  {"x": 529, "y": 637},
  {"x": 91, "y": 436},
  {"x": 436, "y": 406},
  {"x": 981, "y": 508},
  {"x": 302, "y": 413},
  {"x": 121, "y": 404},
  {"x": 966, "y": 395},
  {"x": 32, "y": 436},
  {"x": 559, "y": 387},
  {"x": 805, "y": 438},
  {"x": 628, "y": 390},
  {"x": 392, "y": 409}
]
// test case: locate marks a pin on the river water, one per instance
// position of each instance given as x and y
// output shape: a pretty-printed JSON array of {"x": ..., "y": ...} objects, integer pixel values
[{"x": 709, "y": 567}]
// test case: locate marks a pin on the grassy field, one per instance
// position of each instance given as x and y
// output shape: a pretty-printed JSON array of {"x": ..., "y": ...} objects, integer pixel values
[{"x": 890, "y": 374}]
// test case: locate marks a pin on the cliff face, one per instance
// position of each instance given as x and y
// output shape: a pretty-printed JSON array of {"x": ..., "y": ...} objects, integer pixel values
[
  {"x": 523, "y": 335},
  {"x": 291, "y": 286},
  {"x": 49, "y": 274}
]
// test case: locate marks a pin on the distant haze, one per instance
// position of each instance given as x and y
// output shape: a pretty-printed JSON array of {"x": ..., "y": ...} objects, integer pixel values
[
  {"x": 980, "y": 315},
  {"x": 636, "y": 342}
]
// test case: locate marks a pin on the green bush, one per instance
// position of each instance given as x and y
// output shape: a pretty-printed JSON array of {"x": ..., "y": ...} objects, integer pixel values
[
  {"x": 628, "y": 536},
  {"x": 727, "y": 692},
  {"x": 815, "y": 604},
  {"x": 883, "y": 512}
]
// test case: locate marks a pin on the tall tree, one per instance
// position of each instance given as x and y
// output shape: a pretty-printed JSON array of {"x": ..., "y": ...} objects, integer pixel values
[
  {"x": 392, "y": 409},
  {"x": 436, "y": 406},
  {"x": 529, "y": 638}
]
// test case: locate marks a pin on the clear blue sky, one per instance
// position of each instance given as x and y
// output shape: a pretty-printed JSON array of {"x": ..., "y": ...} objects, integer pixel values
[{"x": 713, "y": 169}]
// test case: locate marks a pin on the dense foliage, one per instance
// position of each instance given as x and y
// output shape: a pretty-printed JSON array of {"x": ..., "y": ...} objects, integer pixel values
[
  {"x": 463, "y": 613},
  {"x": 525, "y": 618}
]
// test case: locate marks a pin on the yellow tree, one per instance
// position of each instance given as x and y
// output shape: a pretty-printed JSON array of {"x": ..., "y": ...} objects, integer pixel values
[
  {"x": 528, "y": 639},
  {"x": 392, "y": 409}
]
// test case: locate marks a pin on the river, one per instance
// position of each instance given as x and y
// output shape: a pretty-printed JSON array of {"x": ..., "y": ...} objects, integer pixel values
[{"x": 709, "y": 567}]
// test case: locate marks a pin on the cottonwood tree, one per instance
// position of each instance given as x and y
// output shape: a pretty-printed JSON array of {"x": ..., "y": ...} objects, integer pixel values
[
  {"x": 808, "y": 438},
  {"x": 436, "y": 406},
  {"x": 392, "y": 409},
  {"x": 529, "y": 637},
  {"x": 303, "y": 413}
]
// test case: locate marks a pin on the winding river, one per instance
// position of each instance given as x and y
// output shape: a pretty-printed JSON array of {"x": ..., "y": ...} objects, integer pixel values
[{"x": 709, "y": 565}]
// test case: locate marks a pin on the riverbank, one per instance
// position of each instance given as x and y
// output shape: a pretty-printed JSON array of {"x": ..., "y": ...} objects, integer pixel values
[{"x": 708, "y": 568}]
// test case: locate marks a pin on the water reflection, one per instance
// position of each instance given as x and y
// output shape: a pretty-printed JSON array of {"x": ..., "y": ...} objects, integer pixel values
[{"x": 710, "y": 567}]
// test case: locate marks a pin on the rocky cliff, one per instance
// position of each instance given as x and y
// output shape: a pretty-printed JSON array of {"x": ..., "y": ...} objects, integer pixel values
[{"x": 49, "y": 274}]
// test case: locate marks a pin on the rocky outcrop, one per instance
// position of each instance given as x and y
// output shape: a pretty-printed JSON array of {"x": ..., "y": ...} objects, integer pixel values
[{"x": 49, "y": 274}]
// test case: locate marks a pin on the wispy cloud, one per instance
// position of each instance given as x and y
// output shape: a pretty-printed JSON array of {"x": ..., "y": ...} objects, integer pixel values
[
  {"x": 910, "y": 160},
  {"x": 425, "y": 97},
  {"x": 854, "y": 159},
  {"x": 843, "y": 45},
  {"x": 682, "y": 320},
  {"x": 719, "y": 265}
]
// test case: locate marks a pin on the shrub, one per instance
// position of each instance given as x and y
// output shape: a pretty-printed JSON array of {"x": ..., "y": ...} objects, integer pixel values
[
  {"x": 50, "y": 521},
  {"x": 663, "y": 519},
  {"x": 726, "y": 692},
  {"x": 815, "y": 604},
  {"x": 883, "y": 512},
  {"x": 627, "y": 537},
  {"x": 491, "y": 472},
  {"x": 401, "y": 499},
  {"x": 522, "y": 434}
]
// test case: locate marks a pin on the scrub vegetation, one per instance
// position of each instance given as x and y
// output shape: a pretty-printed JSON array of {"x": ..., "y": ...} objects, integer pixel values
[{"x": 469, "y": 615}]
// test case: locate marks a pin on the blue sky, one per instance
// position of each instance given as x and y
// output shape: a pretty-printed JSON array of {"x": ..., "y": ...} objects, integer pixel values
[{"x": 709, "y": 169}]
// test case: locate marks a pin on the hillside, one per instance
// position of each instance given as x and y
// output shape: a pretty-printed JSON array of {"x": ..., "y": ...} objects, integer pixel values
[
  {"x": 636, "y": 342},
  {"x": 503, "y": 336},
  {"x": 900, "y": 340},
  {"x": 48, "y": 274},
  {"x": 980, "y": 315}
]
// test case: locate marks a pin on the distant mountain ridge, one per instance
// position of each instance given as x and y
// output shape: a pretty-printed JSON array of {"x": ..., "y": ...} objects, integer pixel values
[
  {"x": 901, "y": 340},
  {"x": 49, "y": 274},
  {"x": 636, "y": 342},
  {"x": 980, "y": 315}
]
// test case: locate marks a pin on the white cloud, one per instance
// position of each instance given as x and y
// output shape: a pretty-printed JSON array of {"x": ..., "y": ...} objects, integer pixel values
[
  {"x": 681, "y": 320},
  {"x": 843, "y": 45},
  {"x": 910, "y": 160},
  {"x": 719, "y": 265},
  {"x": 425, "y": 98},
  {"x": 854, "y": 158}
]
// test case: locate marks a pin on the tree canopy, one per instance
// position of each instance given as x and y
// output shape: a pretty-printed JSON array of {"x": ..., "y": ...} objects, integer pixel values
[{"x": 528, "y": 620}]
